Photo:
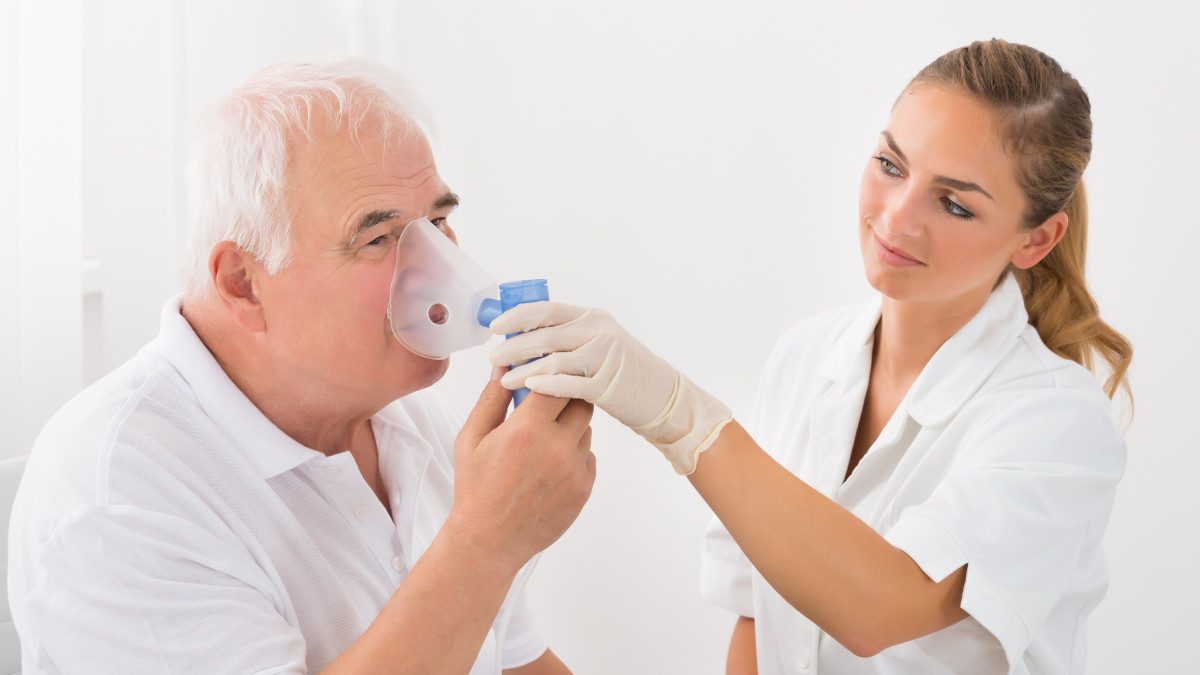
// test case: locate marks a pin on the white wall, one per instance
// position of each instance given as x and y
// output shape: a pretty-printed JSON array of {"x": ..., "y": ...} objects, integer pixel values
[{"x": 692, "y": 167}]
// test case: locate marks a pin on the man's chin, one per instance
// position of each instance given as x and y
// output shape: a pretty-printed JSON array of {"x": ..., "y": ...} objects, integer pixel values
[{"x": 422, "y": 373}]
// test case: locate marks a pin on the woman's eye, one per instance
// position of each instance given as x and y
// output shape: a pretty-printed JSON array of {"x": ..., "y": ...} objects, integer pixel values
[
  {"x": 955, "y": 210},
  {"x": 887, "y": 167}
]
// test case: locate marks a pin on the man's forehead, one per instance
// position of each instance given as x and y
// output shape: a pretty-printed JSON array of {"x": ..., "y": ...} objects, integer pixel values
[{"x": 355, "y": 175}]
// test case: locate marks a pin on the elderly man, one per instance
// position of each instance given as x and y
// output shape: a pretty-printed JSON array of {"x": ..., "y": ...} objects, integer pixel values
[{"x": 265, "y": 488}]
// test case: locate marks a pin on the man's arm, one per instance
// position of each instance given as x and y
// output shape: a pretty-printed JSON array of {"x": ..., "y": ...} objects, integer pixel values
[{"x": 519, "y": 483}]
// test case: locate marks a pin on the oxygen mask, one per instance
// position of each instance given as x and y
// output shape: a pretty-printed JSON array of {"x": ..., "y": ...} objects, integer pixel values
[{"x": 437, "y": 293}]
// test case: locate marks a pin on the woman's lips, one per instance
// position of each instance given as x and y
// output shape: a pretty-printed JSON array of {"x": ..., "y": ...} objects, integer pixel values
[{"x": 893, "y": 256}]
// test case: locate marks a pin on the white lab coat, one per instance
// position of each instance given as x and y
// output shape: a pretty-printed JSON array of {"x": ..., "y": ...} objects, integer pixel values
[{"x": 1002, "y": 456}]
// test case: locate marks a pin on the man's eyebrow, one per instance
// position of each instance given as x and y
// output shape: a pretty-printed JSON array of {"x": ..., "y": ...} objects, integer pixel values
[
  {"x": 449, "y": 200},
  {"x": 953, "y": 183},
  {"x": 369, "y": 220},
  {"x": 446, "y": 201}
]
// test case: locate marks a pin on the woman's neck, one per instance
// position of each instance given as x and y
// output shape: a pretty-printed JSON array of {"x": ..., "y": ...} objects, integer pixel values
[{"x": 910, "y": 333}]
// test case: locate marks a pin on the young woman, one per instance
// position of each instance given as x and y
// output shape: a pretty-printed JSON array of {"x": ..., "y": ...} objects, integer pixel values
[{"x": 926, "y": 479}]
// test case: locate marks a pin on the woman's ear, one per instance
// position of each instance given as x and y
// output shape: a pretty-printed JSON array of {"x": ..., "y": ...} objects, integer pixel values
[
  {"x": 235, "y": 273},
  {"x": 1040, "y": 241}
]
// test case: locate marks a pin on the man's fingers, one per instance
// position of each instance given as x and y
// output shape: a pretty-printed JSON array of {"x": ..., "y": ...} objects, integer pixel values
[
  {"x": 577, "y": 414},
  {"x": 541, "y": 406},
  {"x": 488, "y": 412}
]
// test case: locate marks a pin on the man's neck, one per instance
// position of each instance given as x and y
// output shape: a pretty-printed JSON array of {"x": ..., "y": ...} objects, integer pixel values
[{"x": 299, "y": 409}]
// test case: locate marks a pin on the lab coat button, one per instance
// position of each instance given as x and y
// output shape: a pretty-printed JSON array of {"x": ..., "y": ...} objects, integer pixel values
[
  {"x": 332, "y": 472},
  {"x": 803, "y": 658},
  {"x": 361, "y": 512},
  {"x": 397, "y": 564}
]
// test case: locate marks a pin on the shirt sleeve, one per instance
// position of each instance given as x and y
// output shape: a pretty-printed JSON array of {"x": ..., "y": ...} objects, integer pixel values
[
  {"x": 725, "y": 572},
  {"x": 1018, "y": 509},
  {"x": 523, "y": 639},
  {"x": 144, "y": 592}
]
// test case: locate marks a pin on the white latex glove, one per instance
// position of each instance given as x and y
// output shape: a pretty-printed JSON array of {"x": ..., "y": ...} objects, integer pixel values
[{"x": 590, "y": 356}]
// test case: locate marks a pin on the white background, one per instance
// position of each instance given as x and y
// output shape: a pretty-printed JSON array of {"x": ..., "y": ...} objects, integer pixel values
[{"x": 690, "y": 166}]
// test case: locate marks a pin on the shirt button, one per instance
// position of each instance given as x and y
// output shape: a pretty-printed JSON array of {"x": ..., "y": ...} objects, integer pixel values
[
  {"x": 361, "y": 512},
  {"x": 803, "y": 658},
  {"x": 332, "y": 472},
  {"x": 397, "y": 564}
]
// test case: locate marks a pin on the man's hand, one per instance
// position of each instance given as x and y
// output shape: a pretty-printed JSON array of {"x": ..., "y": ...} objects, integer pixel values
[
  {"x": 520, "y": 483},
  {"x": 590, "y": 356}
]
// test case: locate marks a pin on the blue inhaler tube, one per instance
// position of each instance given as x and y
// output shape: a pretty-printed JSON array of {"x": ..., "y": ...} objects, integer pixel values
[{"x": 512, "y": 294}]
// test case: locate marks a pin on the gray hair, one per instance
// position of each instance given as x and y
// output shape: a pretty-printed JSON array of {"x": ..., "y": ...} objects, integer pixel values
[{"x": 242, "y": 144}]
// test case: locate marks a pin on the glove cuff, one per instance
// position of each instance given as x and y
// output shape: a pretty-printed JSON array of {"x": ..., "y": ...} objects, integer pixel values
[{"x": 687, "y": 426}]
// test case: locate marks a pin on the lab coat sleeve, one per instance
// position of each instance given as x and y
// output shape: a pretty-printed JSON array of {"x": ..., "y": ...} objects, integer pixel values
[
  {"x": 131, "y": 591},
  {"x": 1034, "y": 483},
  {"x": 725, "y": 572}
]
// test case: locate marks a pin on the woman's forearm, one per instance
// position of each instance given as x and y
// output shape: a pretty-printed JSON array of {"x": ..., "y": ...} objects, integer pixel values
[{"x": 821, "y": 558}]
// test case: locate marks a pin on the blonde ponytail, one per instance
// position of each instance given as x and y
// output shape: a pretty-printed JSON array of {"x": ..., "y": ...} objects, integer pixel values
[{"x": 1064, "y": 312}]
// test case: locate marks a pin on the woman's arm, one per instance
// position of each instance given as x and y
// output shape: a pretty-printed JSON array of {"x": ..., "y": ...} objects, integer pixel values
[
  {"x": 822, "y": 559},
  {"x": 743, "y": 655}
]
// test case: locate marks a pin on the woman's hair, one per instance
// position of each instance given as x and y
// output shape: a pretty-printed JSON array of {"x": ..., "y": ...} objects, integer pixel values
[
  {"x": 1044, "y": 120},
  {"x": 242, "y": 145}
]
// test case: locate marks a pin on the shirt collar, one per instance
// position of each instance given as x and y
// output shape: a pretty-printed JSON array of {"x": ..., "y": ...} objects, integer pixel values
[
  {"x": 858, "y": 335},
  {"x": 266, "y": 446},
  {"x": 959, "y": 368}
]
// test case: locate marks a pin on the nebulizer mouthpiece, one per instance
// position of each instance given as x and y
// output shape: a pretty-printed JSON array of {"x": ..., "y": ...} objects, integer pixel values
[{"x": 442, "y": 301}]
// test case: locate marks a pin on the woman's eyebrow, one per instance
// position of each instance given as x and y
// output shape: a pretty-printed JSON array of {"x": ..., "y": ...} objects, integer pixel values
[
  {"x": 962, "y": 185},
  {"x": 953, "y": 183},
  {"x": 887, "y": 136}
]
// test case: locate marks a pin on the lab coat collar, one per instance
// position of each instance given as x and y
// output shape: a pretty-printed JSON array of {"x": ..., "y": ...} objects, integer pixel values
[
  {"x": 267, "y": 447},
  {"x": 959, "y": 368}
]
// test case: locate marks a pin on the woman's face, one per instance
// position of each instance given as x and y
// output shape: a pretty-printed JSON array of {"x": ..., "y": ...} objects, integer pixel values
[{"x": 939, "y": 206}]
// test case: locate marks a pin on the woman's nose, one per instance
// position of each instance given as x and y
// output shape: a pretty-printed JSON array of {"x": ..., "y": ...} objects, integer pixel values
[{"x": 901, "y": 216}]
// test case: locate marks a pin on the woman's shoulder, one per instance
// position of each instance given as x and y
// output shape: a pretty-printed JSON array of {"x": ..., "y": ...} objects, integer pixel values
[
  {"x": 1032, "y": 366},
  {"x": 1037, "y": 393}
]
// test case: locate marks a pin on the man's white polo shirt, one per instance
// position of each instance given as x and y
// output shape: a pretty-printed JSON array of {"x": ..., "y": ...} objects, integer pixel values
[{"x": 165, "y": 525}]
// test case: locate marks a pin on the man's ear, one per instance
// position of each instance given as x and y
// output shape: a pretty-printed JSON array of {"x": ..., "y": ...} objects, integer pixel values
[
  {"x": 235, "y": 274},
  {"x": 1041, "y": 240}
]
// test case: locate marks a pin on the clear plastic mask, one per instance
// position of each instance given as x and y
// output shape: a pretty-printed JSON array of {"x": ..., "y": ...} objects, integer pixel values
[{"x": 437, "y": 291}]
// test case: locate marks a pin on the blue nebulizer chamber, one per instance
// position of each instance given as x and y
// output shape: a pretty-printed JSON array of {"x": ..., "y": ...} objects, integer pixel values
[{"x": 512, "y": 294}]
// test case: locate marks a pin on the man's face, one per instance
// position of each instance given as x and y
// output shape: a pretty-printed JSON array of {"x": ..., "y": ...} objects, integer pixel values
[{"x": 327, "y": 312}]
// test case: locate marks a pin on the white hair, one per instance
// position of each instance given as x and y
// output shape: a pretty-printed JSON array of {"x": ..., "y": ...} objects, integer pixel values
[{"x": 241, "y": 147}]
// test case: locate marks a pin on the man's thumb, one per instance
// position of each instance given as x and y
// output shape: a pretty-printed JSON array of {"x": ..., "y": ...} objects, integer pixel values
[{"x": 489, "y": 411}]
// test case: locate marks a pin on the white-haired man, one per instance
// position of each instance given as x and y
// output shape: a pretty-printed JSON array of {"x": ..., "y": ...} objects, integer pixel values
[{"x": 265, "y": 488}]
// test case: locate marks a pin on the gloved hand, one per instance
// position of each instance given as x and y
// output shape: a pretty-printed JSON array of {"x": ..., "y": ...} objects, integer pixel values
[{"x": 591, "y": 357}]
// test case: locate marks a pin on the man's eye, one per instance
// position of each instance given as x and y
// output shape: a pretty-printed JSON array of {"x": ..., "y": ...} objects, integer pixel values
[
  {"x": 440, "y": 223},
  {"x": 379, "y": 241}
]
